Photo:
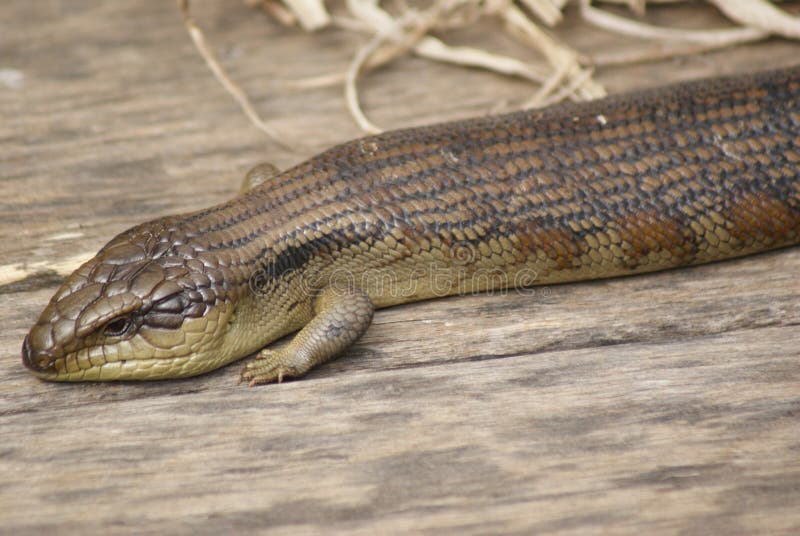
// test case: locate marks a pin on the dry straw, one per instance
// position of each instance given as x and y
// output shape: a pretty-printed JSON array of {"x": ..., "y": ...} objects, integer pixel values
[{"x": 565, "y": 74}]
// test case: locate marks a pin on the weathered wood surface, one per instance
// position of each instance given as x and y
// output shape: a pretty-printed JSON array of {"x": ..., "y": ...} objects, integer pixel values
[{"x": 667, "y": 403}]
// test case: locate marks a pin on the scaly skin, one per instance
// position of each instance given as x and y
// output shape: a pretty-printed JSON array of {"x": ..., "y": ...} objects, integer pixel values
[{"x": 688, "y": 174}]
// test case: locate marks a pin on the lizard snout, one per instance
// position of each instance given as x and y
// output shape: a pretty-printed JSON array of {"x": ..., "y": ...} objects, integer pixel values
[{"x": 35, "y": 360}]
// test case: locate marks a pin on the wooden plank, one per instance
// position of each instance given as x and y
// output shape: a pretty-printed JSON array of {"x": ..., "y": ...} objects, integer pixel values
[{"x": 658, "y": 404}]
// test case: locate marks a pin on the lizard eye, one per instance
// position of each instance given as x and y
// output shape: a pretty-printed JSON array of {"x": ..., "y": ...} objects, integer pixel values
[{"x": 118, "y": 326}]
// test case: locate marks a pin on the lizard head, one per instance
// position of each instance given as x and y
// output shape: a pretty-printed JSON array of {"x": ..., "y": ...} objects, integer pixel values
[{"x": 149, "y": 305}]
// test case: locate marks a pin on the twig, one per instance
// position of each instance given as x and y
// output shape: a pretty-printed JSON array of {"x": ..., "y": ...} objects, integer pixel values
[
  {"x": 565, "y": 91},
  {"x": 665, "y": 51},
  {"x": 557, "y": 54},
  {"x": 621, "y": 25},
  {"x": 549, "y": 13},
  {"x": 311, "y": 13},
  {"x": 350, "y": 89},
  {"x": 434, "y": 49},
  {"x": 222, "y": 77},
  {"x": 548, "y": 87},
  {"x": 278, "y": 12},
  {"x": 761, "y": 15}
]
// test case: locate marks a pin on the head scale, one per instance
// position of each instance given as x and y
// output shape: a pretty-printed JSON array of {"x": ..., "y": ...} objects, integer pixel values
[{"x": 150, "y": 304}]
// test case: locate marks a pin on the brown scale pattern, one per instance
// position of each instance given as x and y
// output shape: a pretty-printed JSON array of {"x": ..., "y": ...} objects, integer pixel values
[{"x": 611, "y": 187}]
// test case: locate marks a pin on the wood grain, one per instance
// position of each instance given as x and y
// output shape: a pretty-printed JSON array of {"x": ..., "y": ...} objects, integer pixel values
[{"x": 667, "y": 403}]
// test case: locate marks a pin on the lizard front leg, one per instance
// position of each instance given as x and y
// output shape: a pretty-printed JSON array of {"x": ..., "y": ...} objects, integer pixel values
[{"x": 341, "y": 315}]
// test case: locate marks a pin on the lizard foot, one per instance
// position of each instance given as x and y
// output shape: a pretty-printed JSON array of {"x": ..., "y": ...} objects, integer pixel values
[{"x": 268, "y": 366}]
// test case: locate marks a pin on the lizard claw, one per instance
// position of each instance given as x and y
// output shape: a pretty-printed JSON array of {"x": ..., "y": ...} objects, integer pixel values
[{"x": 269, "y": 366}]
